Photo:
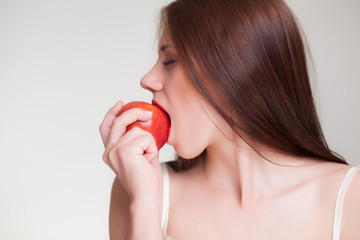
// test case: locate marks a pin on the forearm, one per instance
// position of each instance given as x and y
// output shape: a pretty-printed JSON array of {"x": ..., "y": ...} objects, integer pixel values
[{"x": 145, "y": 220}]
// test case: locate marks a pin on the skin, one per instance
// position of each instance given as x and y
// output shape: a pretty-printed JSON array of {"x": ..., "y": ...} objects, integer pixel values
[{"x": 233, "y": 193}]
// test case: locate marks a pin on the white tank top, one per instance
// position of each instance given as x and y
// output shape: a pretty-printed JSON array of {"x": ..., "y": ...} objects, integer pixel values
[
  {"x": 340, "y": 202},
  {"x": 338, "y": 206},
  {"x": 166, "y": 201}
]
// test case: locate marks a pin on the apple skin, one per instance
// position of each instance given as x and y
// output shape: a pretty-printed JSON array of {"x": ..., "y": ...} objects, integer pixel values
[{"x": 158, "y": 126}]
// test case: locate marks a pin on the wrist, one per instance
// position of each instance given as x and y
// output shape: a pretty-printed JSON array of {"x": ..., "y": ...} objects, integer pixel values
[{"x": 145, "y": 218}]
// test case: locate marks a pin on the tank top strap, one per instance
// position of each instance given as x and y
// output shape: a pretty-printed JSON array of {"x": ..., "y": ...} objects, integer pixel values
[
  {"x": 340, "y": 201},
  {"x": 166, "y": 198}
]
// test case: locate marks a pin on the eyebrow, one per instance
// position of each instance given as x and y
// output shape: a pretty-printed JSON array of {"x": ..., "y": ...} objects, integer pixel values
[{"x": 163, "y": 47}]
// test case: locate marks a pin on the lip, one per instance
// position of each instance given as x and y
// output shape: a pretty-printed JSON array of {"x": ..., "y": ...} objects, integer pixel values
[{"x": 161, "y": 107}]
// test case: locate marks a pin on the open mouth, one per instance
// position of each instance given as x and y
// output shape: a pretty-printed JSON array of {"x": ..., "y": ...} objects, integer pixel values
[{"x": 159, "y": 106}]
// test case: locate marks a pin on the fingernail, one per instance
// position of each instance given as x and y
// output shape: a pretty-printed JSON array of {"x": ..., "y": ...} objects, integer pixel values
[{"x": 148, "y": 113}]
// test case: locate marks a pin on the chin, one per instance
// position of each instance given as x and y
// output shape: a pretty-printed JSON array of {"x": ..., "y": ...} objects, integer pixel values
[{"x": 187, "y": 152}]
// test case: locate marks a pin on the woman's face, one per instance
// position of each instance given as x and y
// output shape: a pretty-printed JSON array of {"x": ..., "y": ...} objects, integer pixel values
[{"x": 191, "y": 128}]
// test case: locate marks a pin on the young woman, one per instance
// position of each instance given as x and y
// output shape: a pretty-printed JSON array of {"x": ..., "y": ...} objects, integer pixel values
[{"x": 252, "y": 159}]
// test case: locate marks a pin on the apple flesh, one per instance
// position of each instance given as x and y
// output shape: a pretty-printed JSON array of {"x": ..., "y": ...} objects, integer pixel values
[{"x": 158, "y": 126}]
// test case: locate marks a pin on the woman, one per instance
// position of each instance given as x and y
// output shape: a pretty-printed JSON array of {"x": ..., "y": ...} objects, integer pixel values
[{"x": 252, "y": 159}]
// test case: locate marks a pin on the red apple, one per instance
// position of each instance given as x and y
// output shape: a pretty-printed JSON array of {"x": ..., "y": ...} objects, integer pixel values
[{"x": 159, "y": 124}]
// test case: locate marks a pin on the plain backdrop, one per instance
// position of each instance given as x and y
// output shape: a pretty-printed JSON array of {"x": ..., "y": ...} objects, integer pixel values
[{"x": 64, "y": 63}]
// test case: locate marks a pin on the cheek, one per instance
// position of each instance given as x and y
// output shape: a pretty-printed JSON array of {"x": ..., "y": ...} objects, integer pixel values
[
  {"x": 191, "y": 133},
  {"x": 189, "y": 149},
  {"x": 191, "y": 128}
]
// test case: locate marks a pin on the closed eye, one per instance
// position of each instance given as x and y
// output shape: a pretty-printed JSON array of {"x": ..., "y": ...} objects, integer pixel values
[{"x": 168, "y": 62}]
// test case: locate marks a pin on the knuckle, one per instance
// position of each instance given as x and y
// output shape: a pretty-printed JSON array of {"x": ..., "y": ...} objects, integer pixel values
[
  {"x": 116, "y": 153},
  {"x": 149, "y": 137},
  {"x": 106, "y": 155},
  {"x": 101, "y": 127},
  {"x": 119, "y": 121},
  {"x": 137, "y": 130},
  {"x": 105, "y": 158}
]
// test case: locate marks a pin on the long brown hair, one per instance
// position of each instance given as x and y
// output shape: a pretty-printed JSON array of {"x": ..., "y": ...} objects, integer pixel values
[{"x": 252, "y": 59}]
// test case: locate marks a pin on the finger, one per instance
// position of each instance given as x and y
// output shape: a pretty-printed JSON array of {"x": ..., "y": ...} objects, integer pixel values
[
  {"x": 142, "y": 142},
  {"x": 149, "y": 148},
  {"x": 121, "y": 122},
  {"x": 136, "y": 148},
  {"x": 108, "y": 120}
]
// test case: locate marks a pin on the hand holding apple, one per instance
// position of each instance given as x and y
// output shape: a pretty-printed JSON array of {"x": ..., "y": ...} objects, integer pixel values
[
  {"x": 158, "y": 126},
  {"x": 133, "y": 157}
]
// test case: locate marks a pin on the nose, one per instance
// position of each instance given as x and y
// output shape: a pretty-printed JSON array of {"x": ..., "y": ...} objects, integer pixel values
[{"x": 152, "y": 81}]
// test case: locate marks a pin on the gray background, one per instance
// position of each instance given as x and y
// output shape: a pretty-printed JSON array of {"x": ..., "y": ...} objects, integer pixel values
[{"x": 64, "y": 63}]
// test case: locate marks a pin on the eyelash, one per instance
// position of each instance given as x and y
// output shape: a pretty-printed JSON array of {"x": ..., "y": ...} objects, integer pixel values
[{"x": 168, "y": 62}]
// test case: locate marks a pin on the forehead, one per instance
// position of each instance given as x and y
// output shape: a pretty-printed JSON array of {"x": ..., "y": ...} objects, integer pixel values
[{"x": 165, "y": 39}]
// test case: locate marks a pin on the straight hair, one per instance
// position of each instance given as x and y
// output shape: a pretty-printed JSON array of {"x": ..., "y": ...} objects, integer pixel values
[{"x": 249, "y": 56}]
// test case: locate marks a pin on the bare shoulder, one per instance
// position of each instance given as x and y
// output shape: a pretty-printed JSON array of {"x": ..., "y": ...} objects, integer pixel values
[
  {"x": 183, "y": 187},
  {"x": 181, "y": 178},
  {"x": 332, "y": 181},
  {"x": 350, "y": 226},
  {"x": 119, "y": 216}
]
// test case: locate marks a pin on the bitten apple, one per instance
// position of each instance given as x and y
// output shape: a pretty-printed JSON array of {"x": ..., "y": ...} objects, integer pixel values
[{"x": 159, "y": 124}]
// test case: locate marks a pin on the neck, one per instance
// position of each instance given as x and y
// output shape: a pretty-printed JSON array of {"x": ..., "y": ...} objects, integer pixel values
[{"x": 241, "y": 171}]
